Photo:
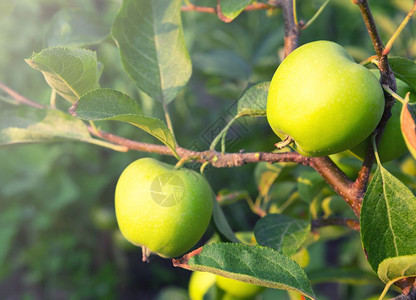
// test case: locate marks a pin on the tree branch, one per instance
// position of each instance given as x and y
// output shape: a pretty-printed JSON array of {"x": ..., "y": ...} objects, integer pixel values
[
  {"x": 217, "y": 10},
  {"x": 350, "y": 223},
  {"x": 292, "y": 29},
  {"x": 386, "y": 77}
]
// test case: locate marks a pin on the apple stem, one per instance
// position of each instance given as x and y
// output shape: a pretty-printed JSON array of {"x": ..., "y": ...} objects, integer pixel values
[
  {"x": 287, "y": 141},
  {"x": 146, "y": 254}
]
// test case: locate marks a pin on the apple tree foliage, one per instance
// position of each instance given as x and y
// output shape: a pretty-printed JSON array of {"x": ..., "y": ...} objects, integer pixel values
[{"x": 294, "y": 208}]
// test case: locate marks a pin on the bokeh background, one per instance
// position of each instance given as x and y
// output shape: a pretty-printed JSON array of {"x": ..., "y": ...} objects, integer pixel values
[{"x": 58, "y": 235}]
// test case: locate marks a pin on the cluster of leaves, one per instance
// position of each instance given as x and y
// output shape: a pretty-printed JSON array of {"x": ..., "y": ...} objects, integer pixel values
[{"x": 154, "y": 54}]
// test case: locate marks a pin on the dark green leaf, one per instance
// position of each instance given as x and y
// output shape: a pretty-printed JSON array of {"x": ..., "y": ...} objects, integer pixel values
[
  {"x": 343, "y": 275},
  {"x": 222, "y": 63},
  {"x": 71, "y": 72},
  {"x": 395, "y": 268},
  {"x": 309, "y": 185},
  {"x": 221, "y": 223},
  {"x": 232, "y": 8},
  {"x": 254, "y": 264},
  {"x": 76, "y": 28},
  {"x": 254, "y": 100},
  {"x": 282, "y": 233},
  {"x": 404, "y": 69},
  {"x": 152, "y": 47},
  {"x": 388, "y": 214}
]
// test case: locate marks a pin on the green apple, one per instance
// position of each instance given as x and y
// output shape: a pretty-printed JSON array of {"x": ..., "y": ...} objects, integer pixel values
[
  {"x": 163, "y": 209},
  {"x": 238, "y": 288},
  {"x": 199, "y": 284},
  {"x": 323, "y": 100},
  {"x": 392, "y": 144}
]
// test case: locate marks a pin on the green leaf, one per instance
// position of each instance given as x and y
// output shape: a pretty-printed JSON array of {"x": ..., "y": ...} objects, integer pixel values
[
  {"x": 265, "y": 175},
  {"x": 388, "y": 214},
  {"x": 392, "y": 269},
  {"x": 71, "y": 72},
  {"x": 152, "y": 47},
  {"x": 309, "y": 185},
  {"x": 107, "y": 104},
  {"x": 232, "y": 8},
  {"x": 254, "y": 264},
  {"x": 221, "y": 223},
  {"x": 76, "y": 28},
  {"x": 343, "y": 275},
  {"x": 20, "y": 124},
  {"x": 404, "y": 69},
  {"x": 254, "y": 100},
  {"x": 282, "y": 233},
  {"x": 222, "y": 63}
]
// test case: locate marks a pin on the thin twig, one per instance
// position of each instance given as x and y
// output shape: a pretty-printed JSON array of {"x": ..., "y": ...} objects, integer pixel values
[
  {"x": 168, "y": 119},
  {"x": 399, "y": 30},
  {"x": 316, "y": 15},
  {"x": 350, "y": 223},
  {"x": 19, "y": 98},
  {"x": 386, "y": 78},
  {"x": 217, "y": 10}
]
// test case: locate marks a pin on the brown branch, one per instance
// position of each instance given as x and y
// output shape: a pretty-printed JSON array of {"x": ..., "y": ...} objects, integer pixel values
[
  {"x": 292, "y": 29},
  {"x": 217, "y": 10},
  {"x": 350, "y": 223},
  {"x": 19, "y": 98},
  {"x": 386, "y": 77}
]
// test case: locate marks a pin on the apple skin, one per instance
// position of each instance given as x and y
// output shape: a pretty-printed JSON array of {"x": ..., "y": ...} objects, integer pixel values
[
  {"x": 392, "y": 144},
  {"x": 238, "y": 288},
  {"x": 323, "y": 100},
  {"x": 168, "y": 226},
  {"x": 199, "y": 284}
]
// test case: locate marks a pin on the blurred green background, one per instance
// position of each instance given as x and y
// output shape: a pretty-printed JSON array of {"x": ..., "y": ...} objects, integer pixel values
[{"x": 58, "y": 234}]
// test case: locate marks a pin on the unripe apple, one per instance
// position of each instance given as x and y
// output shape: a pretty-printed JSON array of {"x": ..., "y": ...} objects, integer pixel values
[
  {"x": 392, "y": 144},
  {"x": 323, "y": 100},
  {"x": 238, "y": 288},
  {"x": 163, "y": 209},
  {"x": 199, "y": 284}
]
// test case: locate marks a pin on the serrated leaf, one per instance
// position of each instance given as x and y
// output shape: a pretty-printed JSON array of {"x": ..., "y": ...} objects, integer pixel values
[
  {"x": 388, "y": 214},
  {"x": 282, "y": 233},
  {"x": 408, "y": 126},
  {"x": 392, "y": 269},
  {"x": 232, "y": 8},
  {"x": 309, "y": 185},
  {"x": 254, "y": 264},
  {"x": 71, "y": 72},
  {"x": 254, "y": 100},
  {"x": 107, "y": 104},
  {"x": 221, "y": 223},
  {"x": 20, "y": 124},
  {"x": 222, "y": 63},
  {"x": 152, "y": 47},
  {"x": 404, "y": 69},
  {"x": 76, "y": 28}
]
